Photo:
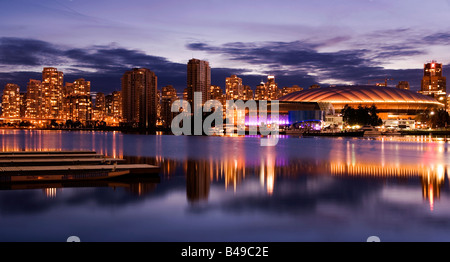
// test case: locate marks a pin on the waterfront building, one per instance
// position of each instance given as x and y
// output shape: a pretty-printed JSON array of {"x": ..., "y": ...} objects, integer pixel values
[
  {"x": 216, "y": 93},
  {"x": 268, "y": 91},
  {"x": 168, "y": 96},
  {"x": 139, "y": 98},
  {"x": 247, "y": 93},
  {"x": 234, "y": 89},
  {"x": 11, "y": 102},
  {"x": 198, "y": 80},
  {"x": 52, "y": 93},
  {"x": 261, "y": 91},
  {"x": 158, "y": 108},
  {"x": 99, "y": 107},
  {"x": 77, "y": 101},
  {"x": 117, "y": 107},
  {"x": 185, "y": 94},
  {"x": 34, "y": 100},
  {"x": 273, "y": 93},
  {"x": 113, "y": 108},
  {"x": 23, "y": 105},
  {"x": 433, "y": 83}
]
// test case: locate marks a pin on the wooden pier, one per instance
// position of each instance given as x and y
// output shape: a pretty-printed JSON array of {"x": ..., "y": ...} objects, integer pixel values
[
  {"x": 44, "y": 152},
  {"x": 27, "y": 166},
  {"x": 36, "y": 156},
  {"x": 57, "y": 161}
]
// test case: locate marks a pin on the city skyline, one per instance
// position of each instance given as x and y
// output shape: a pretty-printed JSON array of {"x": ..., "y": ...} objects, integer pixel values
[
  {"x": 301, "y": 43},
  {"x": 141, "y": 104}
]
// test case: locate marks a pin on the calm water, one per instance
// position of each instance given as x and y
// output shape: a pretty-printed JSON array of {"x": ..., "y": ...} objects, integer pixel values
[{"x": 232, "y": 189}]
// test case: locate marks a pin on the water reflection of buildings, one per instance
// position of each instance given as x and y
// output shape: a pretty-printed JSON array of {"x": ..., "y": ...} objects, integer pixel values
[
  {"x": 233, "y": 169},
  {"x": 106, "y": 143},
  {"x": 198, "y": 180},
  {"x": 135, "y": 187},
  {"x": 138, "y": 187},
  {"x": 432, "y": 177},
  {"x": 200, "y": 174},
  {"x": 50, "y": 192}
]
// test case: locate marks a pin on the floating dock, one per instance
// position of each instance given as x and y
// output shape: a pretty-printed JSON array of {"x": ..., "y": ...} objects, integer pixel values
[
  {"x": 133, "y": 168},
  {"x": 36, "y": 156},
  {"x": 65, "y": 165},
  {"x": 57, "y": 161},
  {"x": 45, "y": 152}
]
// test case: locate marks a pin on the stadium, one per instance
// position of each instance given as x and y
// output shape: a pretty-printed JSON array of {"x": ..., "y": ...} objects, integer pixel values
[{"x": 390, "y": 102}]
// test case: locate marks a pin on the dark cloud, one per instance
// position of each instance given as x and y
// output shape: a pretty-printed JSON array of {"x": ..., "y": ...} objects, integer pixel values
[
  {"x": 102, "y": 65},
  {"x": 299, "y": 60},
  {"x": 27, "y": 52},
  {"x": 393, "y": 51},
  {"x": 293, "y": 63},
  {"x": 442, "y": 38}
]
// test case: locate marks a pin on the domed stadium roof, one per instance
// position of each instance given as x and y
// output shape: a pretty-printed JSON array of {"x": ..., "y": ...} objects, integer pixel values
[{"x": 359, "y": 95}]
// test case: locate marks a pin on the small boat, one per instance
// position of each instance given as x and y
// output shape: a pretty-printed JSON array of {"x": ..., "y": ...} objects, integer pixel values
[{"x": 370, "y": 131}]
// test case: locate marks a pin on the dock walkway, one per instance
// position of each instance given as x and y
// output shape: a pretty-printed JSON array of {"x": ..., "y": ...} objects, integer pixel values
[{"x": 29, "y": 163}]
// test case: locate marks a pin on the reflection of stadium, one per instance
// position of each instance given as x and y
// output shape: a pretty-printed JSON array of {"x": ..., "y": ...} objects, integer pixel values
[{"x": 432, "y": 178}]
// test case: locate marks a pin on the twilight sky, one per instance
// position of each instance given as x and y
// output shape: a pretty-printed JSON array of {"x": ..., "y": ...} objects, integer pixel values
[{"x": 300, "y": 42}]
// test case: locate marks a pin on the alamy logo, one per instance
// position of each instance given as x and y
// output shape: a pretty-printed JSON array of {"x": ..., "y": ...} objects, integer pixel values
[{"x": 236, "y": 111}]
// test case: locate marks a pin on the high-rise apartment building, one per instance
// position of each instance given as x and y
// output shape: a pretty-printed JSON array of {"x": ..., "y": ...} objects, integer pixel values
[
  {"x": 158, "y": 107},
  {"x": 216, "y": 93},
  {"x": 268, "y": 91},
  {"x": 23, "y": 104},
  {"x": 113, "y": 108},
  {"x": 117, "y": 107},
  {"x": 247, "y": 93},
  {"x": 99, "y": 108},
  {"x": 234, "y": 89},
  {"x": 168, "y": 96},
  {"x": 11, "y": 101},
  {"x": 261, "y": 92},
  {"x": 434, "y": 84},
  {"x": 198, "y": 80},
  {"x": 139, "y": 98},
  {"x": 34, "y": 99},
  {"x": 52, "y": 93},
  {"x": 77, "y": 101},
  {"x": 185, "y": 94},
  {"x": 273, "y": 92}
]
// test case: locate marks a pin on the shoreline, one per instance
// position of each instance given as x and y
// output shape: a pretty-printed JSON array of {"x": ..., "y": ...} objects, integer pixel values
[
  {"x": 168, "y": 131},
  {"x": 109, "y": 129}
]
